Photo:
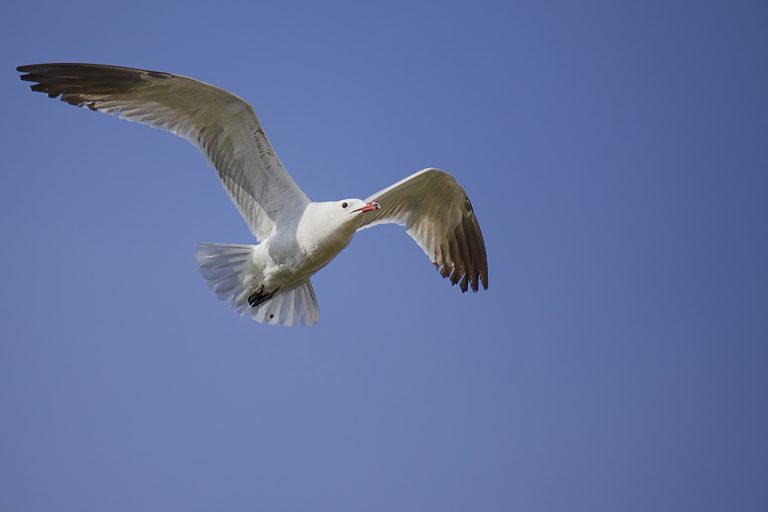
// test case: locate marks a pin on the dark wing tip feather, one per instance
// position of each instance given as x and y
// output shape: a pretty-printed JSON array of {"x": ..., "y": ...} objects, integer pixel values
[
  {"x": 64, "y": 68},
  {"x": 77, "y": 84},
  {"x": 476, "y": 248},
  {"x": 464, "y": 258}
]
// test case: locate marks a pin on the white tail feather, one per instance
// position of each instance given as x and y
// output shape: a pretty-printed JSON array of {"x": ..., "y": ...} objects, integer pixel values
[
  {"x": 232, "y": 274},
  {"x": 288, "y": 307},
  {"x": 229, "y": 271}
]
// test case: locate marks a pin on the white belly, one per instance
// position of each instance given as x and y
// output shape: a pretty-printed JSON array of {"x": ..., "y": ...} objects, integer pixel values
[{"x": 290, "y": 262}]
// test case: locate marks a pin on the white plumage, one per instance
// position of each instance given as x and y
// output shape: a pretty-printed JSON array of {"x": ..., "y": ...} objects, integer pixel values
[{"x": 271, "y": 280}]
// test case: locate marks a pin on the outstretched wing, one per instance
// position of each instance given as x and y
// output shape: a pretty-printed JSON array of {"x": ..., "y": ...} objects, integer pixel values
[
  {"x": 223, "y": 126},
  {"x": 438, "y": 215}
]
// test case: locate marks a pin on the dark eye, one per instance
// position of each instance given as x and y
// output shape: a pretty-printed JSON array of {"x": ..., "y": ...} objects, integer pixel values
[{"x": 344, "y": 205}]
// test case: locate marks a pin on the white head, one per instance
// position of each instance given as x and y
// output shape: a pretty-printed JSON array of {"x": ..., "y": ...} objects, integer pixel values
[
  {"x": 354, "y": 207},
  {"x": 346, "y": 212},
  {"x": 337, "y": 219}
]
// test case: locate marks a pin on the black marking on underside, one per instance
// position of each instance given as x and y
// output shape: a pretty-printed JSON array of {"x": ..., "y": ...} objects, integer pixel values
[{"x": 259, "y": 296}]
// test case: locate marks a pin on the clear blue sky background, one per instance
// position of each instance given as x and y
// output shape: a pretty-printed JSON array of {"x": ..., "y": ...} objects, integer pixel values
[{"x": 617, "y": 157}]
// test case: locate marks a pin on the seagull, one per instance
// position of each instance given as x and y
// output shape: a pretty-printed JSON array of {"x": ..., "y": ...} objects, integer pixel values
[{"x": 270, "y": 281}]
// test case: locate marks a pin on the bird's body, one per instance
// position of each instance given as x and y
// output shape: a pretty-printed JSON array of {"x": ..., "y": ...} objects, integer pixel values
[
  {"x": 289, "y": 257},
  {"x": 298, "y": 237}
]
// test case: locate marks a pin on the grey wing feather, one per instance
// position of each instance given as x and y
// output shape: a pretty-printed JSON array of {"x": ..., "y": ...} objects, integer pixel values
[
  {"x": 438, "y": 215},
  {"x": 223, "y": 126}
]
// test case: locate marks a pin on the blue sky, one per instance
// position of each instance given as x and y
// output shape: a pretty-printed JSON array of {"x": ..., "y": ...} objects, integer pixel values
[{"x": 616, "y": 156}]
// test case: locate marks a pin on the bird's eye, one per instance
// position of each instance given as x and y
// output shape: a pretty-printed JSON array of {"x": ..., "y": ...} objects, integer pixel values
[{"x": 344, "y": 205}]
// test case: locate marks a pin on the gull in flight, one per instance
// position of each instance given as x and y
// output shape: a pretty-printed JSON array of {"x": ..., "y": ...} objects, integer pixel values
[{"x": 298, "y": 236}]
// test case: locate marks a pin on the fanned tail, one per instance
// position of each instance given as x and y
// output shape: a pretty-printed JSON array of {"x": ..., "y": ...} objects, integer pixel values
[
  {"x": 232, "y": 274},
  {"x": 288, "y": 307}
]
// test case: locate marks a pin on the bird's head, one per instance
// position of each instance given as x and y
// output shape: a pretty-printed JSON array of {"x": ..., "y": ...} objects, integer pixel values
[
  {"x": 348, "y": 212},
  {"x": 332, "y": 219},
  {"x": 354, "y": 207},
  {"x": 341, "y": 216}
]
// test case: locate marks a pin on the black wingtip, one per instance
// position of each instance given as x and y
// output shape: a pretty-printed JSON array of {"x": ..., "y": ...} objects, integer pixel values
[{"x": 26, "y": 71}]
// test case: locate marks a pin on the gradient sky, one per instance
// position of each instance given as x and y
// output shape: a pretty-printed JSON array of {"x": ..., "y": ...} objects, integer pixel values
[{"x": 616, "y": 154}]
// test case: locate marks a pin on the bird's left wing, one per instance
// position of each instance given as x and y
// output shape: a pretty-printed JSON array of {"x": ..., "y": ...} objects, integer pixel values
[
  {"x": 223, "y": 126},
  {"x": 438, "y": 215}
]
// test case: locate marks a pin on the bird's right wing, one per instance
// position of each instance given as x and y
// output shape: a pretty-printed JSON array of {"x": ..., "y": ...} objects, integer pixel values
[
  {"x": 437, "y": 214},
  {"x": 223, "y": 126}
]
